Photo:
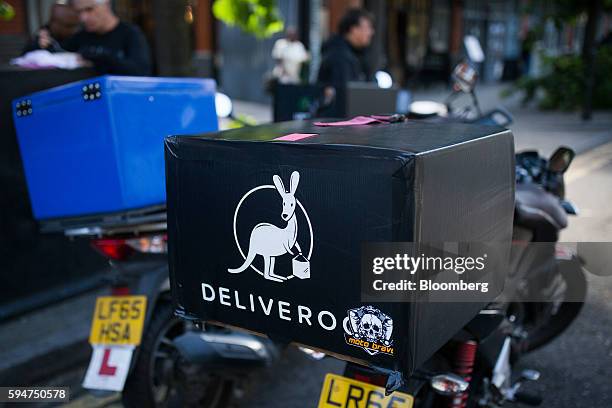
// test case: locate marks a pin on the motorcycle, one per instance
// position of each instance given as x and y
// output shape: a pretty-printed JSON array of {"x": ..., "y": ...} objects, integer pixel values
[
  {"x": 475, "y": 367},
  {"x": 544, "y": 293},
  {"x": 180, "y": 363},
  {"x": 174, "y": 362}
]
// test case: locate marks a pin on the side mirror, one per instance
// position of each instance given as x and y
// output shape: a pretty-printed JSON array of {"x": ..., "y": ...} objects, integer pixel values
[
  {"x": 223, "y": 105},
  {"x": 561, "y": 160}
]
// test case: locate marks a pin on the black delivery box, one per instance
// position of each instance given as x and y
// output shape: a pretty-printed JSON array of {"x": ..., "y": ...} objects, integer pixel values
[{"x": 266, "y": 226}]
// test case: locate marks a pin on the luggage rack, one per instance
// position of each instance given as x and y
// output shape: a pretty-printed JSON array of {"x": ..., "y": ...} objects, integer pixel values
[{"x": 126, "y": 222}]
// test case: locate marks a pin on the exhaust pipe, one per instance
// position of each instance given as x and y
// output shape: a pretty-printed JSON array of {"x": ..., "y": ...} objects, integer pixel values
[{"x": 231, "y": 350}]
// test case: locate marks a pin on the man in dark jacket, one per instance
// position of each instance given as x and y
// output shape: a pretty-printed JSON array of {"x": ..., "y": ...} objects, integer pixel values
[{"x": 342, "y": 59}]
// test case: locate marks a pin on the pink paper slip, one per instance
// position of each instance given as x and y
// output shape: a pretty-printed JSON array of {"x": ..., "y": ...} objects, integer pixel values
[
  {"x": 356, "y": 121},
  {"x": 294, "y": 137}
]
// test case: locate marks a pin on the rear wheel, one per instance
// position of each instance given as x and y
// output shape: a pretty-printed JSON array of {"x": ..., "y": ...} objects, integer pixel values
[
  {"x": 160, "y": 378},
  {"x": 541, "y": 322}
]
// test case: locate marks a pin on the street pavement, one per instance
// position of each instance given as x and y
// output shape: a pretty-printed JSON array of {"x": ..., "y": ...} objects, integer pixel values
[
  {"x": 41, "y": 339},
  {"x": 577, "y": 367}
]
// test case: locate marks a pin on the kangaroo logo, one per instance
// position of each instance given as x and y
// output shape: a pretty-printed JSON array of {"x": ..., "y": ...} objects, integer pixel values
[{"x": 271, "y": 241}]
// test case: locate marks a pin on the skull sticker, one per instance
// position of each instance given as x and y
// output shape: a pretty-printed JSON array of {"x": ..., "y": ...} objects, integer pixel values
[{"x": 369, "y": 328}]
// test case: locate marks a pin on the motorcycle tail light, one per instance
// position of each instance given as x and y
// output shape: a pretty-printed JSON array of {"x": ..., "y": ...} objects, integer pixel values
[
  {"x": 115, "y": 249},
  {"x": 365, "y": 375},
  {"x": 448, "y": 384},
  {"x": 375, "y": 379},
  {"x": 120, "y": 291},
  {"x": 119, "y": 249}
]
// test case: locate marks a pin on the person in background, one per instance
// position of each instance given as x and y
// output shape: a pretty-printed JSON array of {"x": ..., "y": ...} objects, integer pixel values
[
  {"x": 63, "y": 23},
  {"x": 527, "y": 46},
  {"x": 606, "y": 41},
  {"x": 289, "y": 54},
  {"x": 342, "y": 55},
  {"x": 113, "y": 46}
]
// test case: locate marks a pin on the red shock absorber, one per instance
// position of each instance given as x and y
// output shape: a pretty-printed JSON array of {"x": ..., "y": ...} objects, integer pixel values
[{"x": 463, "y": 365}]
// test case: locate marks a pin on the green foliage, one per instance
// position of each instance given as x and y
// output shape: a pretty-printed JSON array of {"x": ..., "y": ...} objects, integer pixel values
[
  {"x": 7, "y": 12},
  {"x": 563, "y": 86},
  {"x": 257, "y": 17},
  {"x": 564, "y": 11}
]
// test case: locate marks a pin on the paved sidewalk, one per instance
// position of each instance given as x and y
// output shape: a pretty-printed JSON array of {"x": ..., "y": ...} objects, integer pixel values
[
  {"x": 540, "y": 130},
  {"x": 532, "y": 128},
  {"x": 577, "y": 367},
  {"x": 46, "y": 341}
]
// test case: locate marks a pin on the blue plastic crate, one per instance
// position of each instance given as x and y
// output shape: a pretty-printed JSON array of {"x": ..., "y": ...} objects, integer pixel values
[{"x": 96, "y": 146}]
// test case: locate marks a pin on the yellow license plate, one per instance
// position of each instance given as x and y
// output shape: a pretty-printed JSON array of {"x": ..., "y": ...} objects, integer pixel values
[
  {"x": 340, "y": 391},
  {"x": 118, "y": 320}
]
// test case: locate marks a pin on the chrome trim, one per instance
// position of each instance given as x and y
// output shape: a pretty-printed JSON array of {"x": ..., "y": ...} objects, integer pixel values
[{"x": 240, "y": 340}]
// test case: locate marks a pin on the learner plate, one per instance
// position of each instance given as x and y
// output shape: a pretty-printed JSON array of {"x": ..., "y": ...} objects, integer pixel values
[
  {"x": 118, "y": 320},
  {"x": 340, "y": 391}
]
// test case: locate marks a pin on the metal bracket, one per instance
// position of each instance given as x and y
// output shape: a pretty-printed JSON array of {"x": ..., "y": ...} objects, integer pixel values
[
  {"x": 91, "y": 92},
  {"x": 395, "y": 379},
  {"x": 23, "y": 108}
]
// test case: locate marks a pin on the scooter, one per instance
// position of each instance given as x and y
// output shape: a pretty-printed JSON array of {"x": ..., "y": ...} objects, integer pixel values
[
  {"x": 549, "y": 278},
  {"x": 544, "y": 294},
  {"x": 175, "y": 363}
]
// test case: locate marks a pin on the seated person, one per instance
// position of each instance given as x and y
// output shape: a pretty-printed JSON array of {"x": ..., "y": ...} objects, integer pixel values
[
  {"x": 63, "y": 23},
  {"x": 111, "y": 45}
]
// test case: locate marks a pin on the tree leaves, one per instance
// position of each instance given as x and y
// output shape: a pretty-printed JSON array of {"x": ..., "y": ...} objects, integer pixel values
[
  {"x": 562, "y": 85},
  {"x": 257, "y": 17},
  {"x": 7, "y": 12}
]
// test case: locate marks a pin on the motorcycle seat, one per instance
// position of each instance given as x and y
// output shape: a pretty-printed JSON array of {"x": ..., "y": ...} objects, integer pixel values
[{"x": 536, "y": 208}]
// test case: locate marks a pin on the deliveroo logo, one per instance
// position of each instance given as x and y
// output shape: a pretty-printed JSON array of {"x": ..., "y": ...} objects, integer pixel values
[{"x": 272, "y": 241}]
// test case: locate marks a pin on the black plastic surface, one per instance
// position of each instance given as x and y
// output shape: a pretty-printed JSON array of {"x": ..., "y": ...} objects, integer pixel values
[{"x": 410, "y": 181}]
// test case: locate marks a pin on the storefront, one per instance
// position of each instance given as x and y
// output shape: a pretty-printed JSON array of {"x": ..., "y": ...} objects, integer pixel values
[
  {"x": 495, "y": 24},
  {"x": 425, "y": 36}
]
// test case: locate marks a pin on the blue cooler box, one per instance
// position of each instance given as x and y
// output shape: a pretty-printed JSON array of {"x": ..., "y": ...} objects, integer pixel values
[{"x": 96, "y": 146}]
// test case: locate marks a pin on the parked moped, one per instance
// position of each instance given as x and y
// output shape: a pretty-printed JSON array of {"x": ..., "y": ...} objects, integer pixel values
[
  {"x": 180, "y": 363},
  {"x": 545, "y": 292}
]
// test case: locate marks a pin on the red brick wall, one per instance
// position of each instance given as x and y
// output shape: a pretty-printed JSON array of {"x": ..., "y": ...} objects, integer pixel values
[
  {"x": 337, "y": 8},
  {"x": 456, "y": 31},
  {"x": 203, "y": 26},
  {"x": 14, "y": 33}
]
